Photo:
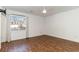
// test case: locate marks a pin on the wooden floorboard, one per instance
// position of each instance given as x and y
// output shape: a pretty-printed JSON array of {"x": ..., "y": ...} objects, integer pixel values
[{"x": 40, "y": 44}]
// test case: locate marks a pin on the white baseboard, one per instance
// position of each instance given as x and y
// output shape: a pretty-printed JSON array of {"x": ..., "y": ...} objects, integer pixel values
[
  {"x": 35, "y": 36},
  {"x": 65, "y": 38},
  {"x": 59, "y": 36},
  {"x": 21, "y": 38}
]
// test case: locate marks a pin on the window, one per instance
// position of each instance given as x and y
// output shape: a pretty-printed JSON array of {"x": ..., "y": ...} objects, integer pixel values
[{"x": 17, "y": 22}]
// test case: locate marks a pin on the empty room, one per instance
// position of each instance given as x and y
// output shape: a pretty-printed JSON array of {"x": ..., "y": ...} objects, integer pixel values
[{"x": 39, "y": 28}]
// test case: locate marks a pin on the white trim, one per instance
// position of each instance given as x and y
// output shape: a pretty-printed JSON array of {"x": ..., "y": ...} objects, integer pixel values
[{"x": 65, "y": 38}]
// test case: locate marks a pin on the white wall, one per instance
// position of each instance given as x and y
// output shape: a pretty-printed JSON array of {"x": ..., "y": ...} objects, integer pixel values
[
  {"x": 0, "y": 31},
  {"x": 3, "y": 27},
  {"x": 64, "y": 25},
  {"x": 35, "y": 26},
  {"x": 0, "y": 26}
]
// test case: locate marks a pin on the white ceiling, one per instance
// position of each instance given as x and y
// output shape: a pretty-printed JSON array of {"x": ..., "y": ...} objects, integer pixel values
[{"x": 37, "y": 10}]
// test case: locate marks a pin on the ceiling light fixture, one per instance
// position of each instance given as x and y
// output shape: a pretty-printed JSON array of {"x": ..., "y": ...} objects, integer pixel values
[{"x": 44, "y": 11}]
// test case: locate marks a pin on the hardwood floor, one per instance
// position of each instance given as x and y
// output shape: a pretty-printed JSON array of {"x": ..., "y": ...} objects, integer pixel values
[{"x": 40, "y": 44}]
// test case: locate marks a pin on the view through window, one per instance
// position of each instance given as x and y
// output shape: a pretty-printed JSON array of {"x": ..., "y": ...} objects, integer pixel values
[{"x": 17, "y": 22}]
